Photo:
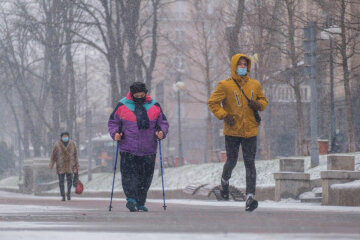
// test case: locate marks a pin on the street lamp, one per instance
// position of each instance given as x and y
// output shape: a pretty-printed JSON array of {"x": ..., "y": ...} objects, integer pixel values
[
  {"x": 89, "y": 146},
  {"x": 327, "y": 34},
  {"x": 254, "y": 60},
  {"x": 179, "y": 86}
]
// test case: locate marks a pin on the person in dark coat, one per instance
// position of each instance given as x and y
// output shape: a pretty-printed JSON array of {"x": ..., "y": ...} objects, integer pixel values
[{"x": 137, "y": 123}]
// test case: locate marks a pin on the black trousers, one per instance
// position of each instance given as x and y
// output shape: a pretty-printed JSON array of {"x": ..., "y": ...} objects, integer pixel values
[
  {"x": 136, "y": 175},
  {"x": 248, "y": 145},
  {"x": 69, "y": 177}
]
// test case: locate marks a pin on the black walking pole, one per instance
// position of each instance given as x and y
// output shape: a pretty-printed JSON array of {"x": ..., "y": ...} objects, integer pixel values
[
  {"x": 112, "y": 190},
  {"x": 162, "y": 175}
]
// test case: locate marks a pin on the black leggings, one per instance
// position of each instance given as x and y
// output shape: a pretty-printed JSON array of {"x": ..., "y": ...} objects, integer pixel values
[
  {"x": 136, "y": 175},
  {"x": 248, "y": 145},
  {"x": 61, "y": 183}
]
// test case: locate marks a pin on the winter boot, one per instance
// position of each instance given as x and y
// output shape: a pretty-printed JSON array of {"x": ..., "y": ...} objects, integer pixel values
[
  {"x": 142, "y": 208},
  {"x": 63, "y": 198},
  {"x": 68, "y": 197},
  {"x": 224, "y": 192},
  {"x": 131, "y": 205},
  {"x": 251, "y": 204}
]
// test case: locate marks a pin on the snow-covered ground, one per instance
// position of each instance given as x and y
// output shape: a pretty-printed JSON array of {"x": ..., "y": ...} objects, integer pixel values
[
  {"x": 350, "y": 185},
  {"x": 207, "y": 173},
  {"x": 10, "y": 182}
]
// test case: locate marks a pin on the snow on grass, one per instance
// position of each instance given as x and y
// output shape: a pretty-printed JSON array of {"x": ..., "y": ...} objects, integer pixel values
[
  {"x": 10, "y": 182},
  {"x": 207, "y": 173}
]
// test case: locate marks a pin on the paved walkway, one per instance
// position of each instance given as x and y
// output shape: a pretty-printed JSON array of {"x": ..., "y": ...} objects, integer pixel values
[{"x": 38, "y": 214}]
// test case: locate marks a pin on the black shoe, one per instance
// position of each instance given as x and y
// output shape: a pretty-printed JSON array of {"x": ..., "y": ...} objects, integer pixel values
[
  {"x": 63, "y": 199},
  {"x": 224, "y": 192},
  {"x": 68, "y": 197},
  {"x": 224, "y": 195},
  {"x": 131, "y": 205},
  {"x": 251, "y": 204}
]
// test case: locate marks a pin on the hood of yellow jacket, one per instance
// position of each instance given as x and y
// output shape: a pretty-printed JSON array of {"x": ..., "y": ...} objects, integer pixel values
[{"x": 234, "y": 61}]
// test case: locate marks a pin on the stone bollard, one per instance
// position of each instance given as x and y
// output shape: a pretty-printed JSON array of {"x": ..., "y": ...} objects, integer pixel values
[
  {"x": 340, "y": 162},
  {"x": 28, "y": 178},
  {"x": 291, "y": 165},
  {"x": 340, "y": 170},
  {"x": 335, "y": 177},
  {"x": 291, "y": 181}
]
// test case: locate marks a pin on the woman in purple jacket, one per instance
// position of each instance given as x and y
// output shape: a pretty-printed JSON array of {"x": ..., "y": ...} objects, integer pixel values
[{"x": 137, "y": 123}]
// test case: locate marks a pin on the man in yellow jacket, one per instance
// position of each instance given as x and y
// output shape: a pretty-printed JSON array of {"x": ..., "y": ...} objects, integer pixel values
[{"x": 237, "y": 100}]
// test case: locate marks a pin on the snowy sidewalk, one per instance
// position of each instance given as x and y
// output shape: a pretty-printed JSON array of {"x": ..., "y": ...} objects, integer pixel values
[{"x": 35, "y": 217}]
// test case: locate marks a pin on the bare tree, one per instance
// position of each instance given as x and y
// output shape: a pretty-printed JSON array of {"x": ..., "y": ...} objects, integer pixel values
[
  {"x": 119, "y": 24},
  {"x": 345, "y": 15},
  {"x": 201, "y": 47},
  {"x": 232, "y": 32}
]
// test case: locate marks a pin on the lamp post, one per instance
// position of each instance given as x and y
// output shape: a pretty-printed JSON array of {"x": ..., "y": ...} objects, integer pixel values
[
  {"x": 255, "y": 60},
  {"x": 78, "y": 122},
  {"x": 179, "y": 86},
  {"x": 327, "y": 35},
  {"x": 89, "y": 147}
]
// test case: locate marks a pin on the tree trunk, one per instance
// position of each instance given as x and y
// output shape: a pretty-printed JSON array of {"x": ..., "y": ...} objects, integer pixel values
[
  {"x": 111, "y": 54},
  {"x": 349, "y": 112},
  {"x": 130, "y": 10},
  {"x": 233, "y": 31},
  {"x": 69, "y": 70}
]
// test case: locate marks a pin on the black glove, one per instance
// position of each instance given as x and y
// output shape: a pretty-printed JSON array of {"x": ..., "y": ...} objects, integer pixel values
[
  {"x": 229, "y": 120},
  {"x": 254, "y": 105}
]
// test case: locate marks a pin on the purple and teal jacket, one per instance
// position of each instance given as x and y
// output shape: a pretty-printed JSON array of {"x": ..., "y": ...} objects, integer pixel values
[{"x": 123, "y": 119}]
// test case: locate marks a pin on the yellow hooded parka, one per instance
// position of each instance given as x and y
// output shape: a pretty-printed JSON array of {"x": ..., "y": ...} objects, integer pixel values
[{"x": 228, "y": 99}]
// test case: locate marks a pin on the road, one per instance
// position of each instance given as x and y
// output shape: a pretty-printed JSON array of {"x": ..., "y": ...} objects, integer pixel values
[{"x": 37, "y": 214}]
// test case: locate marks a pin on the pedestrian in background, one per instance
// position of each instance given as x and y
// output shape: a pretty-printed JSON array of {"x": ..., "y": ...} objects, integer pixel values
[{"x": 64, "y": 155}]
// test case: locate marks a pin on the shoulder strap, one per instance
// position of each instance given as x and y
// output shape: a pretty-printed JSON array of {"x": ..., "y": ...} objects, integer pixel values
[{"x": 241, "y": 90}]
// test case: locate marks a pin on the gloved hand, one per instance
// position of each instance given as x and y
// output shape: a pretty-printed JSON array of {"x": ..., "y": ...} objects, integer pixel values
[
  {"x": 254, "y": 105},
  {"x": 229, "y": 120}
]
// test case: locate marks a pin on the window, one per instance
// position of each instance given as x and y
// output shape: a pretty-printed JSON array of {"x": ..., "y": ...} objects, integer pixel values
[
  {"x": 180, "y": 9},
  {"x": 179, "y": 35},
  {"x": 285, "y": 93},
  {"x": 160, "y": 93},
  {"x": 210, "y": 6},
  {"x": 179, "y": 63}
]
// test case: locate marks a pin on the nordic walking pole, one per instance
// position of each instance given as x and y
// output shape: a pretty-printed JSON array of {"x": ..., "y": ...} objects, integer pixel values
[
  {"x": 112, "y": 190},
  {"x": 162, "y": 175}
]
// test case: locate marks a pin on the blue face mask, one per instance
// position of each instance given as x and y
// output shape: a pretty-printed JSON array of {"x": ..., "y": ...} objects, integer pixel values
[
  {"x": 65, "y": 139},
  {"x": 241, "y": 71}
]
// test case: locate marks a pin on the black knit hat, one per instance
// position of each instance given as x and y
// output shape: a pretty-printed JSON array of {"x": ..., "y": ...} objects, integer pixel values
[
  {"x": 138, "y": 87},
  {"x": 64, "y": 133}
]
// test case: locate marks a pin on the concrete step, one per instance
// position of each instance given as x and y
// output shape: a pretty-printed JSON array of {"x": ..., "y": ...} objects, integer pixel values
[
  {"x": 311, "y": 200},
  {"x": 318, "y": 194},
  {"x": 317, "y": 191}
]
